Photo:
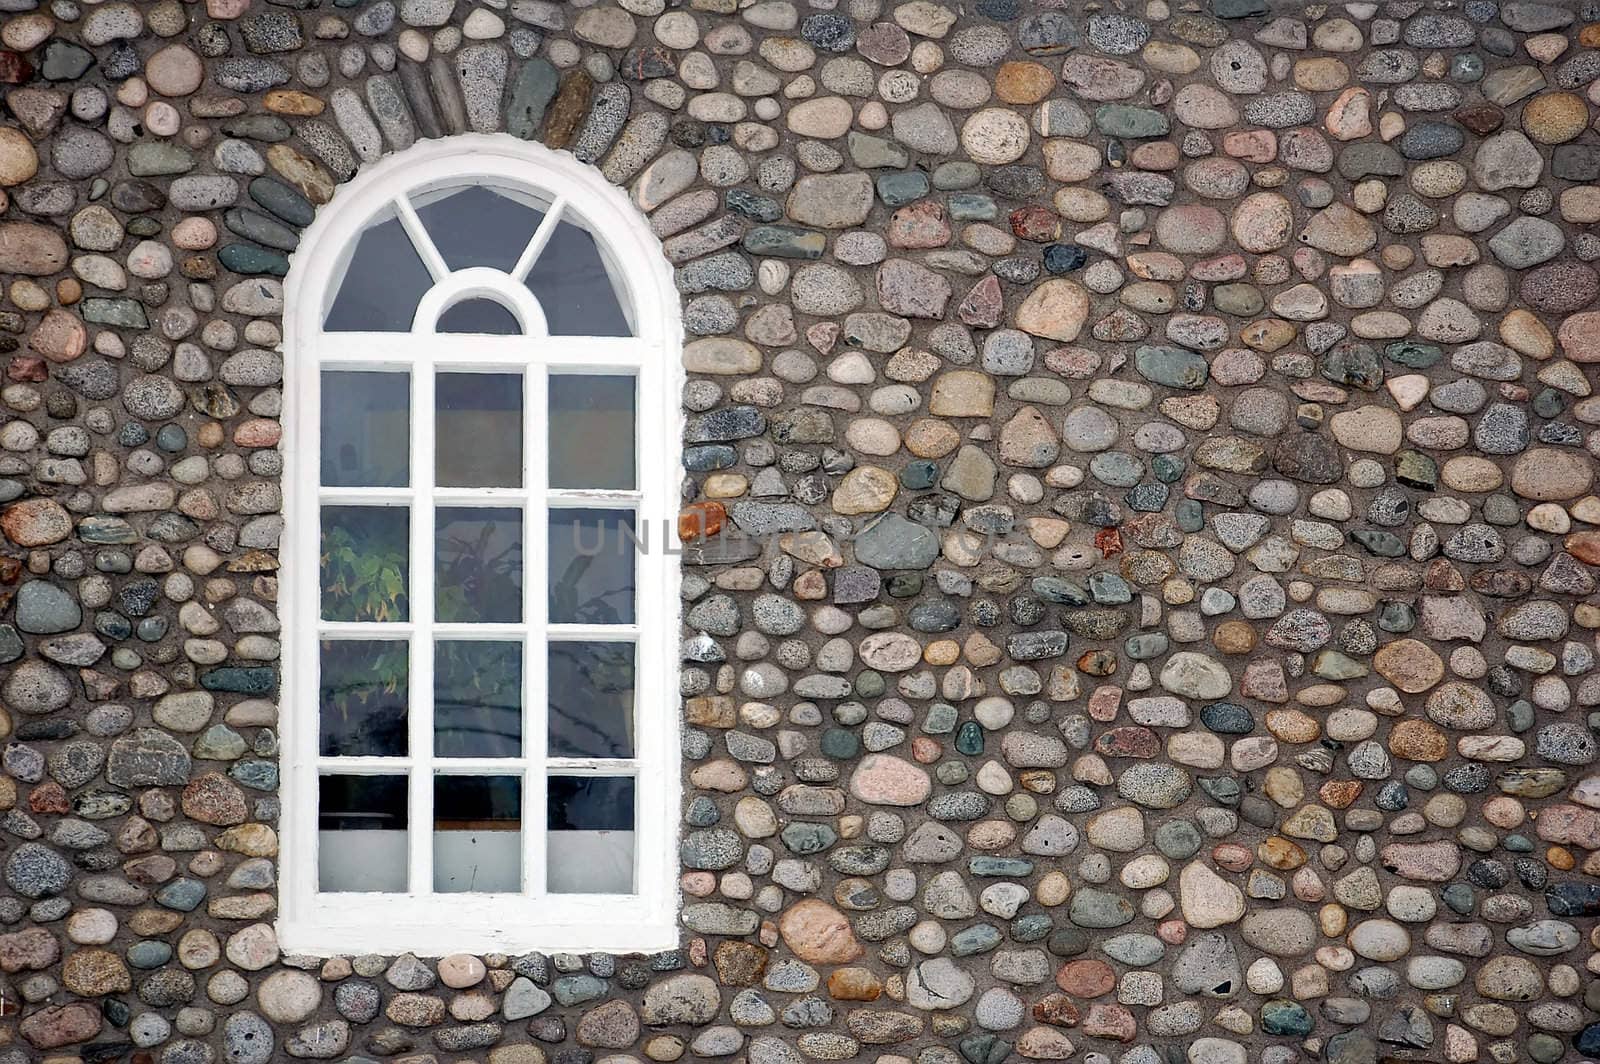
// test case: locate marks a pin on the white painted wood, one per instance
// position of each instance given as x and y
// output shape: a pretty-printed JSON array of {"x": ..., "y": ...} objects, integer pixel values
[{"x": 418, "y": 920}]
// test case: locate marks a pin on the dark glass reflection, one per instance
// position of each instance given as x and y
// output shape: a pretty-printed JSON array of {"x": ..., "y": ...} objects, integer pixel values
[
  {"x": 479, "y": 430},
  {"x": 478, "y": 564},
  {"x": 383, "y": 283},
  {"x": 592, "y": 420},
  {"x": 571, "y": 282},
  {"x": 366, "y": 429},
  {"x": 366, "y": 563},
  {"x": 483, "y": 316},
  {"x": 592, "y": 566},
  {"x": 478, "y": 225},
  {"x": 477, "y": 698},
  {"x": 591, "y": 699},
  {"x": 363, "y": 693}
]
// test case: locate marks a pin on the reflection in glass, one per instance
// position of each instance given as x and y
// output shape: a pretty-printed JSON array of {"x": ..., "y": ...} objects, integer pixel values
[
  {"x": 363, "y": 690},
  {"x": 592, "y": 422},
  {"x": 483, "y": 316},
  {"x": 591, "y": 699},
  {"x": 479, "y": 434},
  {"x": 383, "y": 281},
  {"x": 573, "y": 284},
  {"x": 366, "y": 429},
  {"x": 477, "y": 834},
  {"x": 478, "y": 225},
  {"x": 590, "y": 845},
  {"x": 591, "y": 566},
  {"x": 365, "y": 563},
  {"x": 477, "y": 698},
  {"x": 478, "y": 564},
  {"x": 361, "y": 833}
]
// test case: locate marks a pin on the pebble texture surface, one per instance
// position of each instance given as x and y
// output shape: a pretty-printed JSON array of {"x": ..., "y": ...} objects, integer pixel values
[{"x": 1174, "y": 427}]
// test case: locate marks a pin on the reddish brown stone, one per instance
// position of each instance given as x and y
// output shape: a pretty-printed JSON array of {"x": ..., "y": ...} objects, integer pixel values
[
  {"x": 49, "y": 797},
  {"x": 1132, "y": 740},
  {"x": 1038, "y": 224},
  {"x": 215, "y": 799},
  {"x": 14, "y": 68},
  {"x": 700, "y": 520},
  {"x": 1481, "y": 118},
  {"x": 30, "y": 368},
  {"x": 1086, "y": 978},
  {"x": 1057, "y": 1010},
  {"x": 1340, "y": 794}
]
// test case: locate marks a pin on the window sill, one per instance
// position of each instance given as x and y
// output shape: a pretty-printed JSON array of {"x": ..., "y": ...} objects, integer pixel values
[{"x": 438, "y": 925}]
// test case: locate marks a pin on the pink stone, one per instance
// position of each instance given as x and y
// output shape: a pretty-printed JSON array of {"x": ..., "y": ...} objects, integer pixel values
[
  {"x": 227, "y": 8},
  {"x": 258, "y": 432},
  {"x": 1104, "y": 702},
  {"x": 918, "y": 225},
  {"x": 983, "y": 305},
  {"x": 1253, "y": 145},
  {"x": 1572, "y": 825},
  {"x": 461, "y": 970},
  {"x": 883, "y": 779},
  {"x": 60, "y": 337},
  {"x": 698, "y": 884},
  {"x": 1172, "y": 932},
  {"x": 911, "y": 290},
  {"x": 1073, "y": 363},
  {"x": 818, "y": 933},
  {"x": 1237, "y": 365},
  {"x": 62, "y": 1025},
  {"x": 32, "y": 949},
  {"x": 1221, "y": 268},
  {"x": 1110, "y": 1021}
]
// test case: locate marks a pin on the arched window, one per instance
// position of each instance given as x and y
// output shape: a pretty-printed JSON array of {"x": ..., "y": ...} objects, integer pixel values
[{"x": 480, "y": 713}]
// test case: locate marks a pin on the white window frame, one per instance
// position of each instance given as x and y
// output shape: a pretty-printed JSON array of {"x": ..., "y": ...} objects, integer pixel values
[{"x": 327, "y": 924}]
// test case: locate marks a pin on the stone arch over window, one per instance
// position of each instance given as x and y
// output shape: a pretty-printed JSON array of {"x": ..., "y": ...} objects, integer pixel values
[{"x": 480, "y": 728}]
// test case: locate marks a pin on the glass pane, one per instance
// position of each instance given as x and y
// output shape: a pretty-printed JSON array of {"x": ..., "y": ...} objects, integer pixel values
[
  {"x": 572, "y": 283},
  {"x": 477, "y": 834},
  {"x": 479, "y": 316},
  {"x": 364, "y": 688},
  {"x": 591, "y": 566},
  {"x": 361, "y": 833},
  {"x": 592, "y": 422},
  {"x": 477, "y": 699},
  {"x": 479, "y": 430},
  {"x": 590, "y": 845},
  {"x": 366, "y": 429},
  {"x": 591, "y": 699},
  {"x": 366, "y": 563},
  {"x": 381, "y": 284},
  {"x": 478, "y": 564},
  {"x": 479, "y": 225}
]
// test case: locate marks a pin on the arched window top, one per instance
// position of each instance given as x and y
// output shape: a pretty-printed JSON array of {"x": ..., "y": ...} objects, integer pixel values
[
  {"x": 495, "y": 237},
  {"x": 480, "y": 727}
]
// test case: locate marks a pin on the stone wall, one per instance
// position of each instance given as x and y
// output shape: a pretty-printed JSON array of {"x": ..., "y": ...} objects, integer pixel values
[{"x": 1172, "y": 424}]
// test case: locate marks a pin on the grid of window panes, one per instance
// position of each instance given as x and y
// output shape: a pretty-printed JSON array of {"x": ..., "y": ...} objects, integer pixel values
[{"x": 477, "y": 583}]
